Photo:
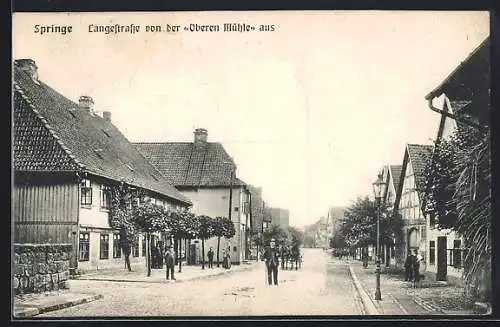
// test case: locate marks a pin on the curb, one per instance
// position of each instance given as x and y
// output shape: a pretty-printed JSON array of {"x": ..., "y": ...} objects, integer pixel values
[
  {"x": 32, "y": 311},
  {"x": 368, "y": 304},
  {"x": 228, "y": 271}
]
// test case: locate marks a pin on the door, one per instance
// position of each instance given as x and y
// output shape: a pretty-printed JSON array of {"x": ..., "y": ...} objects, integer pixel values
[{"x": 441, "y": 259}]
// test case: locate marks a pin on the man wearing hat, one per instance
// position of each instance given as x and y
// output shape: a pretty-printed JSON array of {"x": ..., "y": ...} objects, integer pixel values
[
  {"x": 271, "y": 259},
  {"x": 170, "y": 261}
]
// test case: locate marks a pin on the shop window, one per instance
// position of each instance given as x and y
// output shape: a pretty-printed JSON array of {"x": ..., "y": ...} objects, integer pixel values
[
  {"x": 86, "y": 192},
  {"x": 84, "y": 247},
  {"x": 117, "y": 253},
  {"x": 104, "y": 247}
]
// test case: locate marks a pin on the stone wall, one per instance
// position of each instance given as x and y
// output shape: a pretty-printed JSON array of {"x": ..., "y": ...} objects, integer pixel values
[{"x": 40, "y": 267}]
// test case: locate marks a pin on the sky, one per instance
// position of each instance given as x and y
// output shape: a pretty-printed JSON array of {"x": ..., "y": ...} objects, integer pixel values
[{"x": 309, "y": 112}]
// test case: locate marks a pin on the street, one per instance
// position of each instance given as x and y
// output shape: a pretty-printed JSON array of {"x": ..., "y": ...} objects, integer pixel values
[{"x": 321, "y": 287}]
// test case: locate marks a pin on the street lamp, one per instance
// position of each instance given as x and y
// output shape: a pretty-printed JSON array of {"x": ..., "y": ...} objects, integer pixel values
[{"x": 377, "y": 190}]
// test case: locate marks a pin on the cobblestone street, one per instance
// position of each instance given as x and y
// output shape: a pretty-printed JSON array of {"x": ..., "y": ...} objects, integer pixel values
[{"x": 321, "y": 287}]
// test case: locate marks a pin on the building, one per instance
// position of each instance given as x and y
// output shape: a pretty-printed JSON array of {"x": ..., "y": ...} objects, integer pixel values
[
  {"x": 408, "y": 199},
  {"x": 66, "y": 158},
  {"x": 205, "y": 173},
  {"x": 465, "y": 94},
  {"x": 257, "y": 218},
  {"x": 280, "y": 217},
  {"x": 336, "y": 215}
]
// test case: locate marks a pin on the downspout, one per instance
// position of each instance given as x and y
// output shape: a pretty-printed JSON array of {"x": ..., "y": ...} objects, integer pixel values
[{"x": 452, "y": 116}]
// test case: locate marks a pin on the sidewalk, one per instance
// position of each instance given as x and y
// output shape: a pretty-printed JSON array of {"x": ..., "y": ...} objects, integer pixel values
[
  {"x": 400, "y": 298},
  {"x": 34, "y": 304},
  {"x": 189, "y": 273}
]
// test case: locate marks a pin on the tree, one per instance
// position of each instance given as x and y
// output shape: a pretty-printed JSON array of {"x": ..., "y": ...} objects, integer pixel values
[
  {"x": 205, "y": 231},
  {"x": 121, "y": 217},
  {"x": 359, "y": 227},
  {"x": 181, "y": 226},
  {"x": 458, "y": 196},
  {"x": 473, "y": 204},
  {"x": 150, "y": 218},
  {"x": 228, "y": 230},
  {"x": 276, "y": 232},
  {"x": 218, "y": 232}
]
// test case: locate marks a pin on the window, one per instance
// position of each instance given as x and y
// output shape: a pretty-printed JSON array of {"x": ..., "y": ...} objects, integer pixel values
[
  {"x": 104, "y": 247},
  {"x": 143, "y": 246},
  {"x": 86, "y": 192},
  {"x": 135, "y": 247},
  {"x": 117, "y": 253},
  {"x": 432, "y": 252},
  {"x": 105, "y": 196},
  {"x": 457, "y": 254},
  {"x": 432, "y": 221},
  {"x": 84, "y": 247}
]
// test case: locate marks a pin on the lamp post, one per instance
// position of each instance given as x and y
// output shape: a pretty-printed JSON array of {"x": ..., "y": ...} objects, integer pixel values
[{"x": 377, "y": 190}]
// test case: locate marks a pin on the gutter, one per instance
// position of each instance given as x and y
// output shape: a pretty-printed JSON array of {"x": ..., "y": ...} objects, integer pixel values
[{"x": 452, "y": 116}]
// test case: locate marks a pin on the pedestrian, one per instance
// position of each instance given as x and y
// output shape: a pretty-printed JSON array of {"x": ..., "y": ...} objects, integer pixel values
[
  {"x": 170, "y": 262},
  {"x": 416, "y": 267},
  {"x": 210, "y": 256},
  {"x": 228, "y": 258},
  {"x": 271, "y": 259}
]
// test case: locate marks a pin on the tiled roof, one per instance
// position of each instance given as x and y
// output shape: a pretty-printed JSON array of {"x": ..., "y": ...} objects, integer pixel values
[
  {"x": 396, "y": 174},
  {"x": 187, "y": 164},
  {"x": 419, "y": 155},
  {"x": 51, "y": 133}
]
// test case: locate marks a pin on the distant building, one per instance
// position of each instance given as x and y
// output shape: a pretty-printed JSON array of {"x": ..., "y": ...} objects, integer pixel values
[{"x": 280, "y": 217}]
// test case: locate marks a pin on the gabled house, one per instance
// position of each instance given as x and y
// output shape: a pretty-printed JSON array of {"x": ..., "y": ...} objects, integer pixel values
[
  {"x": 408, "y": 199},
  {"x": 390, "y": 175},
  {"x": 65, "y": 159},
  {"x": 465, "y": 95},
  {"x": 205, "y": 173}
]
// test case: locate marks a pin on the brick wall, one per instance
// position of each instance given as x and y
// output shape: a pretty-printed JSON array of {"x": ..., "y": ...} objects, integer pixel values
[{"x": 40, "y": 267}]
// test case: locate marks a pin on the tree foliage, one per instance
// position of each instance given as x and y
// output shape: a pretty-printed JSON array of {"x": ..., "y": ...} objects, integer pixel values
[
  {"x": 359, "y": 226},
  {"x": 458, "y": 185},
  {"x": 472, "y": 198},
  {"x": 205, "y": 226},
  {"x": 121, "y": 213}
]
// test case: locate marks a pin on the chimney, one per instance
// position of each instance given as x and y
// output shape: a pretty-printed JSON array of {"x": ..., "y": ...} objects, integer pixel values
[
  {"x": 29, "y": 66},
  {"x": 107, "y": 116},
  {"x": 86, "y": 103},
  {"x": 200, "y": 136}
]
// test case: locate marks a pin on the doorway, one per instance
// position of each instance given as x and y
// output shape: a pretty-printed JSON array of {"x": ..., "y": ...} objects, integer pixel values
[{"x": 441, "y": 259}]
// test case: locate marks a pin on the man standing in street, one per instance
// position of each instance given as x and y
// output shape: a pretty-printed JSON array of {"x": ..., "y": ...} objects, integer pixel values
[
  {"x": 210, "y": 255},
  {"x": 170, "y": 262},
  {"x": 271, "y": 259}
]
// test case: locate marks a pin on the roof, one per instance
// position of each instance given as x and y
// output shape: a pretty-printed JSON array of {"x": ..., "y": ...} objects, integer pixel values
[
  {"x": 419, "y": 155},
  {"x": 52, "y": 134},
  {"x": 395, "y": 171},
  {"x": 188, "y": 165},
  {"x": 476, "y": 64}
]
